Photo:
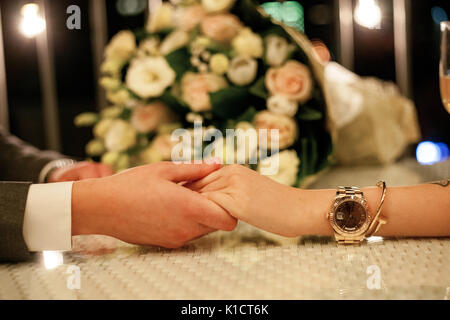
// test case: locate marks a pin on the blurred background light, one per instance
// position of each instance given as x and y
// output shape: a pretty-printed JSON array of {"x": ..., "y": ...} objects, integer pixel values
[
  {"x": 131, "y": 7},
  {"x": 32, "y": 23},
  {"x": 439, "y": 15},
  {"x": 52, "y": 259},
  {"x": 368, "y": 14},
  {"x": 428, "y": 152}
]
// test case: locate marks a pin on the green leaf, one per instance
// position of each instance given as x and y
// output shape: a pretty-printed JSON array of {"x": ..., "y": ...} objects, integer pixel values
[
  {"x": 229, "y": 102},
  {"x": 126, "y": 114},
  {"x": 259, "y": 89},
  {"x": 179, "y": 61},
  {"x": 247, "y": 116},
  {"x": 309, "y": 114},
  {"x": 174, "y": 102}
]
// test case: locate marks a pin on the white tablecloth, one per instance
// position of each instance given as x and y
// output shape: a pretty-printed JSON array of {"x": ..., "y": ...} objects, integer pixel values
[{"x": 245, "y": 264}]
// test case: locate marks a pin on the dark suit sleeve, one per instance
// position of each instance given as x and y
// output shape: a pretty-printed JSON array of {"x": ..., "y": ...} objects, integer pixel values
[
  {"x": 20, "y": 161},
  {"x": 13, "y": 197}
]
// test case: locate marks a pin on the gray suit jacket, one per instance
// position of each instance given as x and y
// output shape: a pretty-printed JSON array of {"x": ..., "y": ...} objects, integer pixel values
[{"x": 18, "y": 162}]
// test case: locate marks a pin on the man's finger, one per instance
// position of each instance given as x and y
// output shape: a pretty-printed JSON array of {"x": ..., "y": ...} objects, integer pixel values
[{"x": 205, "y": 211}]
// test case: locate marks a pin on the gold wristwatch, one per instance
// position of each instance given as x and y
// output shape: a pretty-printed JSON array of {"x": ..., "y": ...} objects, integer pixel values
[{"x": 350, "y": 218}]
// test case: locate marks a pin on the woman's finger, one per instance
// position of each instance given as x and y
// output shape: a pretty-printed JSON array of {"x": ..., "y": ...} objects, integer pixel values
[
  {"x": 199, "y": 184},
  {"x": 204, "y": 211}
]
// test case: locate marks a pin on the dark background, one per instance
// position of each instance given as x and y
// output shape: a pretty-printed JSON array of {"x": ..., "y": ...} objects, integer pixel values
[{"x": 374, "y": 56}]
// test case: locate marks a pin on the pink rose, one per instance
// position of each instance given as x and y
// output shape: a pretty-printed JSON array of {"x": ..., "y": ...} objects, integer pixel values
[
  {"x": 149, "y": 117},
  {"x": 221, "y": 27},
  {"x": 293, "y": 80},
  {"x": 195, "y": 89},
  {"x": 163, "y": 144},
  {"x": 286, "y": 126},
  {"x": 189, "y": 17}
]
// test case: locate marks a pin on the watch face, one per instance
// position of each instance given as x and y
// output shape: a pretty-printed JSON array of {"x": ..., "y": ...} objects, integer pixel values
[{"x": 350, "y": 216}]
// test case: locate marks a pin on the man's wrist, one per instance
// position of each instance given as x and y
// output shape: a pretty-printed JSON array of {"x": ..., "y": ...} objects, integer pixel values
[{"x": 84, "y": 207}]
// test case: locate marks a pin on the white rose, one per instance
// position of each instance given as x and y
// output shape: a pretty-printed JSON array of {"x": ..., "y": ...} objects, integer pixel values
[
  {"x": 162, "y": 18},
  {"x": 242, "y": 70},
  {"x": 86, "y": 119},
  {"x": 120, "y": 136},
  {"x": 288, "y": 164},
  {"x": 149, "y": 117},
  {"x": 248, "y": 43},
  {"x": 277, "y": 50},
  {"x": 219, "y": 63},
  {"x": 149, "y": 155},
  {"x": 286, "y": 126},
  {"x": 112, "y": 112},
  {"x": 102, "y": 127},
  {"x": 121, "y": 47},
  {"x": 163, "y": 145},
  {"x": 120, "y": 96},
  {"x": 112, "y": 66},
  {"x": 110, "y": 83},
  {"x": 150, "y": 76},
  {"x": 95, "y": 147},
  {"x": 122, "y": 163},
  {"x": 217, "y": 5},
  {"x": 110, "y": 158},
  {"x": 149, "y": 47},
  {"x": 282, "y": 105},
  {"x": 174, "y": 41}
]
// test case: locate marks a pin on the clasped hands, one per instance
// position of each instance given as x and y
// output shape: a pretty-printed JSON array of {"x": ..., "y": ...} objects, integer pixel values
[{"x": 168, "y": 204}]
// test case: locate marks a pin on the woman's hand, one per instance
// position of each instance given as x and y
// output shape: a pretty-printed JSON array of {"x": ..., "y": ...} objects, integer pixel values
[{"x": 256, "y": 199}]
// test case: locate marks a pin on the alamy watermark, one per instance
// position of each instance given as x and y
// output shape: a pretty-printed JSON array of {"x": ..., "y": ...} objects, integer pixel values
[
  {"x": 374, "y": 280},
  {"x": 239, "y": 146},
  {"x": 73, "y": 281},
  {"x": 74, "y": 20}
]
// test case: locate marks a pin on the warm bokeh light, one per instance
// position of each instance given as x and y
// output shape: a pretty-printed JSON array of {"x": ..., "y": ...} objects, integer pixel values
[
  {"x": 368, "y": 14},
  {"x": 32, "y": 23},
  {"x": 52, "y": 259}
]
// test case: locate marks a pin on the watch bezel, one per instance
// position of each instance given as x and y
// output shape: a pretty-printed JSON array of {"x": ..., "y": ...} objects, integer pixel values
[{"x": 349, "y": 198}]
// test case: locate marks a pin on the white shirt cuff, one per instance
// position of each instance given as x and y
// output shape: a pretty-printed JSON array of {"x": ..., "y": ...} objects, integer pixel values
[{"x": 47, "y": 222}]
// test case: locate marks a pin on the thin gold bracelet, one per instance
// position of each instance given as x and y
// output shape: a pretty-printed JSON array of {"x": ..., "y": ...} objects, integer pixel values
[{"x": 378, "y": 219}]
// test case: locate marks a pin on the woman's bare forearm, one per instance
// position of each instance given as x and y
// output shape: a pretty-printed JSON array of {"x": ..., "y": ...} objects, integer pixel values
[{"x": 422, "y": 211}]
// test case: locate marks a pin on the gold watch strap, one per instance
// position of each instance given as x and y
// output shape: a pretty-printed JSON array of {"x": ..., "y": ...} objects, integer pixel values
[
  {"x": 349, "y": 241},
  {"x": 348, "y": 191}
]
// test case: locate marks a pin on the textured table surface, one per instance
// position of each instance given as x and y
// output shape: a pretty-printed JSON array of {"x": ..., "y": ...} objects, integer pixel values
[{"x": 247, "y": 263}]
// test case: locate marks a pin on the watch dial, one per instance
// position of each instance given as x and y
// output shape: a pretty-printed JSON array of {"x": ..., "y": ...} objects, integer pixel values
[{"x": 350, "y": 216}]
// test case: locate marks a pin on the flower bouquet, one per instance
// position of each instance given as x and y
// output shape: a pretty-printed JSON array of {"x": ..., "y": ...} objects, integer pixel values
[{"x": 212, "y": 65}]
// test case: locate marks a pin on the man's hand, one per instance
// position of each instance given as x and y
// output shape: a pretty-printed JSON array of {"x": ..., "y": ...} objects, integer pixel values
[
  {"x": 148, "y": 206},
  {"x": 80, "y": 171}
]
